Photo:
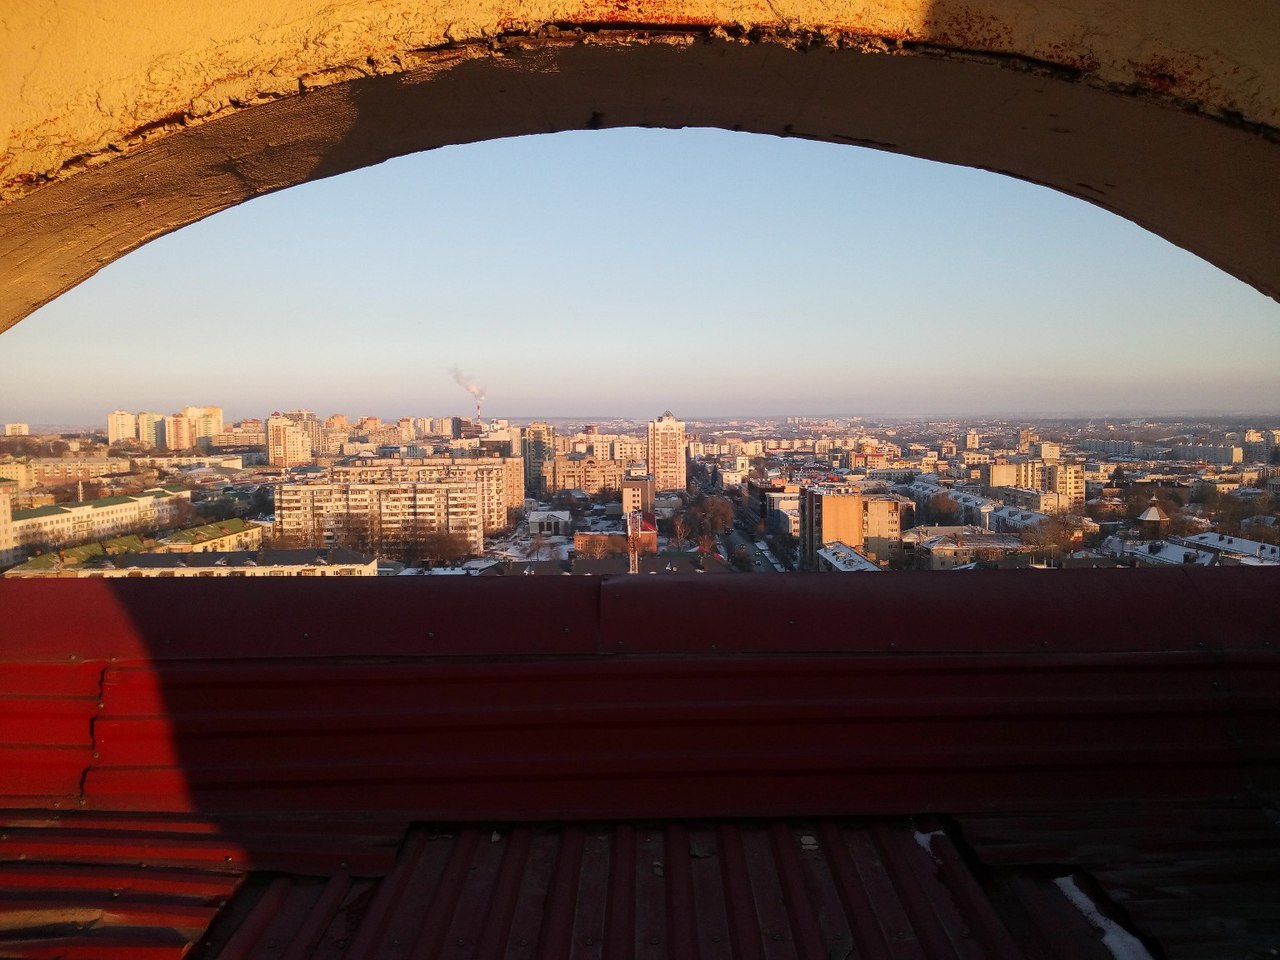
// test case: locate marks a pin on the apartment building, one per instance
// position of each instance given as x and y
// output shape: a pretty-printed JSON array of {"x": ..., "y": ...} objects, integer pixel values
[
  {"x": 388, "y": 512},
  {"x": 1066, "y": 480},
  {"x": 71, "y": 523},
  {"x": 666, "y": 452},
  {"x": 500, "y": 480},
  {"x": 10, "y": 552},
  {"x": 335, "y": 562},
  {"x": 288, "y": 444},
  {"x": 121, "y": 425},
  {"x": 537, "y": 447},
  {"x": 828, "y": 514},
  {"x": 579, "y": 472}
]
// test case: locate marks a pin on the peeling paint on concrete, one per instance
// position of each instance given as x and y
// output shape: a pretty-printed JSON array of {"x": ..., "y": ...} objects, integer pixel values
[{"x": 148, "y": 126}]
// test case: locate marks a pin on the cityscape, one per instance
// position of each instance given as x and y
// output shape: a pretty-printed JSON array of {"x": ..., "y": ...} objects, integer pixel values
[{"x": 186, "y": 494}]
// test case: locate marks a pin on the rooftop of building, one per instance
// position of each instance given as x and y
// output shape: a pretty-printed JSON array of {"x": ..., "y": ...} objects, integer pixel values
[
  {"x": 278, "y": 778},
  {"x": 848, "y": 560},
  {"x": 210, "y": 531},
  {"x": 335, "y": 556}
]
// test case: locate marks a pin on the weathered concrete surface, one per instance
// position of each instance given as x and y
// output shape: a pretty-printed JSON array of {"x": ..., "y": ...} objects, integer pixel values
[{"x": 126, "y": 120}]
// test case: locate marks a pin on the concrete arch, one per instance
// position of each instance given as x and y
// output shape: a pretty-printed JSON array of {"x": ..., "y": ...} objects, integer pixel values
[{"x": 128, "y": 121}]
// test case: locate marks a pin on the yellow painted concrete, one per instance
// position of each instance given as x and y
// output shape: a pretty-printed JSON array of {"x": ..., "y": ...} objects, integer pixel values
[{"x": 123, "y": 119}]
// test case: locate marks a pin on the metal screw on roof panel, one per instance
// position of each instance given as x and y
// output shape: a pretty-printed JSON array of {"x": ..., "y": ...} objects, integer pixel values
[
  {"x": 101, "y": 704},
  {"x": 431, "y": 634},
  {"x": 791, "y": 623},
  {"x": 227, "y": 858},
  {"x": 589, "y": 942},
  {"x": 306, "y": 636},
  {"x": 461, "y": 942},
  {"x": 654, "y": 941},
  {"x": 96, "y": 755},
  {"x": 342, "y": 865},
  {"x": 566, "y": 629},
  {"x": 82, "y": 802}
]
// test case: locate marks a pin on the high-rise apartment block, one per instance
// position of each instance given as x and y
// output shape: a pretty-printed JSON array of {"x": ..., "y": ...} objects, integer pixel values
[
  {"x": 288, "y": 445},
  {"x": 206, "y": 423},
  {"x": 121, "y": 425},
  {"x": 16, "y": 430},
  {"x": 151, "y": 430},
  {"x": 177, "y": 433},
  {"x": 666, "y": 452},
  {"x": 537, "y": 446}
]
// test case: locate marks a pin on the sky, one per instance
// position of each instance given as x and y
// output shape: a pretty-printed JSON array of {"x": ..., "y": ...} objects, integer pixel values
[{"x": 625, "y": 272}]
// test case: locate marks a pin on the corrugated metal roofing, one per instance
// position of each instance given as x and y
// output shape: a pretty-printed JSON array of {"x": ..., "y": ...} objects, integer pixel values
[
  {"x": 666, "y": 698},
  {"x": 772, "y": 890}
]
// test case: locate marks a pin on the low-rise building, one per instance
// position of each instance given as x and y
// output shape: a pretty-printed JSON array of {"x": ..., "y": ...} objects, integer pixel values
[
  {"x": 1232, "y": 550},
  {"x": 221, "y": 536},
  {"x": 336, "y": 562},
  {"x": 841, "y": 558},
  {"x": 73, "y": 523},
  {"x": 949, "y": 551},
  {"x": 1025, "y": 498},
  {"x": 550, "y": 523}
]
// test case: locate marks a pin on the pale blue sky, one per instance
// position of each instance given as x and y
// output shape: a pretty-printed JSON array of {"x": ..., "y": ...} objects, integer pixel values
[{"x": 625, "y": 272}]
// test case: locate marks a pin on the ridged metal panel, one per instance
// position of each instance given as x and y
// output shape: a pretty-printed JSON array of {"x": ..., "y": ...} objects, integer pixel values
[
  {"x": 1022, "y": 611},
  {"x": 991, "y": 698},
  {"x": 772, "y": 890},
  {"x": 614, "y": 736},
  {"x": 45, "y": 738}
]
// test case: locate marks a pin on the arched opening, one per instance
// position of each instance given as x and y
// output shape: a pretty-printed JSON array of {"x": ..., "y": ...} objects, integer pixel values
[
  {"x": 1173, "y": 165},
  {"x": 1162, "y": 703}
]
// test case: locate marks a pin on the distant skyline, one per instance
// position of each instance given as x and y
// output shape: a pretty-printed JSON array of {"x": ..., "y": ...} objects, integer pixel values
[{"x": 624, "y": 272}]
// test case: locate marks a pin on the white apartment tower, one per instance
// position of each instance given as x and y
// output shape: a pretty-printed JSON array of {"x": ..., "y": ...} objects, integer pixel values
[
  {"x": 121, "y": 425},
  {"x": 666, "y": 453}
]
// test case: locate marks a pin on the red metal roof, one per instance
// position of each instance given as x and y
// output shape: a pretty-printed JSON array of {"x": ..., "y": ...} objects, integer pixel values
[
  {"x": 768, "y": 889},
  {"x": 301, "y": 727}
]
